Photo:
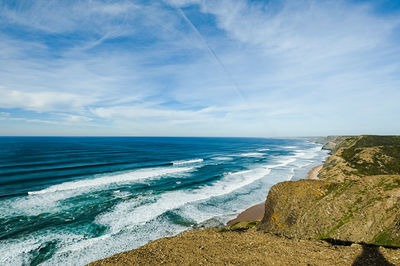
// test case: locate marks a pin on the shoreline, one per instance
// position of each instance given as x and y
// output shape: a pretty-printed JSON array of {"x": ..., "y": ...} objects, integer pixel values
[
  {"x": 279, "y": 240},
  {"x": 253, "y": 213},
  {"x": 313, "y": 174},
  {"x": 256, "y": 212}
]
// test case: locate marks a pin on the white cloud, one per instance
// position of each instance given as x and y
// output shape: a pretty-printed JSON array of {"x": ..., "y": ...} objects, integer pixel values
[
  {"x": 42, "y": 101},
  {"x": 145, "y": 66},
  {"x": 66, "y": 16},
  {"x": 4, "y": 115}
]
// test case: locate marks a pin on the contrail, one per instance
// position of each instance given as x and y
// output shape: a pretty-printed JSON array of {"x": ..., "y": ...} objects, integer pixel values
[{"x": 213, "y": 55}]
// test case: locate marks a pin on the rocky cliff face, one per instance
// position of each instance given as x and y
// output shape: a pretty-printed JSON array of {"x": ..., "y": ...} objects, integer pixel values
[{"x": 356, "y": 199}]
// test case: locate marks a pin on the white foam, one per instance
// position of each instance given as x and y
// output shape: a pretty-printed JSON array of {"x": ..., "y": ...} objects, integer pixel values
[
  {"x": 133, "y": 214},
  {"x": 291, "y": 174},
  {"x": 282, "y": 162},
  {"x": 50, "y": 199},
  {"x": 289, "y": 147},
  {"x": 124, "y": 235},
  {"x": 252, "y": 154},
  {"x": 187, "y": 162},
  {"x": 223, "y": 158},
  {"x": 265, "y": 149},
  {"x": 308, "y": 153},
  {"x": 112, "y": 179}
]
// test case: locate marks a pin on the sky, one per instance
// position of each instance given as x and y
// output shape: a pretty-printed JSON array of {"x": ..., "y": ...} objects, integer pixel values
[{"x": 234, "y": 68}]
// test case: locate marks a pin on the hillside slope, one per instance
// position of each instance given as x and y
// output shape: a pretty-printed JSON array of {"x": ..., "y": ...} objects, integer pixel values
[
  {"x": 356, "y": 199},
  {"x": 219, "y": 247}
]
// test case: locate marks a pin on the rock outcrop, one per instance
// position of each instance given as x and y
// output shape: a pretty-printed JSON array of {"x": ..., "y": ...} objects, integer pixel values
[{"x": 357, "y": 198}]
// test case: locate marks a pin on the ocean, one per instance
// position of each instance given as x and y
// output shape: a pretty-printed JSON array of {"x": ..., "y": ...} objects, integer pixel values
[{"x": 73, "y": 200}]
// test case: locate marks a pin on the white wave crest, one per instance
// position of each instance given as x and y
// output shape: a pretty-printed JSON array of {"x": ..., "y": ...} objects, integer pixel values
[
  {"x": 222, "y": 158},
  {"x": 252, "y": 154},
  {"x": 134, "y": 215},
  {"x": 112, "y": 179},
  {"x": 187, "y": 162}
]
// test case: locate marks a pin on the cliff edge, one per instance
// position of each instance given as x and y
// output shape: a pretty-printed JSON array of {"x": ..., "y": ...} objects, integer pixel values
[{"x": 357, "y": 196}]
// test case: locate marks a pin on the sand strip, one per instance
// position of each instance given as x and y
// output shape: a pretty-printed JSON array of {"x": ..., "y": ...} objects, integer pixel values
[
  {"x": 313, "y": 174},
  {"x": 254, "y": 213}
]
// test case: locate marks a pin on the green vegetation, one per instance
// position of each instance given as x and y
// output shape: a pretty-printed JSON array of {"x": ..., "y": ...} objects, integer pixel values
[
  {"x": 384, "y": 238},
  {"x": 337, "y": 188},
  {"x": 239, "y": 226},
  {"x": 373, "y": 141},
  {"x": 356, "y": 199},
  {"x": 395, "y": 184},
  {"x": 346, "y": 218},
  {"x": 384, "y": 153}
]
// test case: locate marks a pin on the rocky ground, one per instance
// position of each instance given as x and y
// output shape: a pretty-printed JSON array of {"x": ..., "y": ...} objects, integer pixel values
[{"x": 251, "y": 247}]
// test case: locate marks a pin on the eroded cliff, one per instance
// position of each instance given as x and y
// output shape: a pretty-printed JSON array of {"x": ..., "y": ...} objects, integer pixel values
[{"x": 356, "y": 199}]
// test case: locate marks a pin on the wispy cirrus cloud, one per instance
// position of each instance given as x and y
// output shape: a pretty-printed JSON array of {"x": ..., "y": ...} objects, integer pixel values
[{"x": 193, "y": 67}]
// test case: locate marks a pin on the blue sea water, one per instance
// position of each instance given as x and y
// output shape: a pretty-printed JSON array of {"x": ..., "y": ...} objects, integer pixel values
[{"x": 73, "y": 200}]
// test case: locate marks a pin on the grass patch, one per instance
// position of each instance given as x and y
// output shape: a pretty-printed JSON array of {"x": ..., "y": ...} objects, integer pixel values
[
  {"x": 385, "y": 238},
  {"x": 345, "y": 219},
  {"x": 239, "y": 226},
  {"x": 385, "y": 160},
  {"x": 391, "y": 209},
  {"x": 395, "y": 184}
]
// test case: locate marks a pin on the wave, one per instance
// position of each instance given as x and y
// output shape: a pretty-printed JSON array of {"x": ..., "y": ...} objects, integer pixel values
[
  {"x": 112, "y": 179},
  {"x": 303, "y": 154},
  {"x": 64, "y": 168},
  {"x": 264, "y": 149},
  {"x": 223, "y": 158},
  {"x": 308, "y": 153},
  {"x": 134, "y": 214},
  {"x": 252, "y": 154},
  {"x": 283, "y": 162},
  {"x": 187, "y": 162},
  {"x": 133, "y": 221},
  {"x": 291, "y": 174}
]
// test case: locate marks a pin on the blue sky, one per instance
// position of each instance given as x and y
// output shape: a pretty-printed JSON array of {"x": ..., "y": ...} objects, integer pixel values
[{"x": 199, "y": 68}]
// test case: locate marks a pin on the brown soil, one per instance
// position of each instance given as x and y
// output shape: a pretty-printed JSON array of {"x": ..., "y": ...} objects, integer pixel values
[{"x": 213, "y": 247}]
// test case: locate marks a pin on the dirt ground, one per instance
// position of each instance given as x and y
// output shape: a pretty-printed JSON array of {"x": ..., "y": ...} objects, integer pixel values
[{"x": 251, "y": 247}]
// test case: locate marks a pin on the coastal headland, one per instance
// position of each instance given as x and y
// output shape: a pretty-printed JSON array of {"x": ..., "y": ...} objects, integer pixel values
[{"x": 345, "y": 213}]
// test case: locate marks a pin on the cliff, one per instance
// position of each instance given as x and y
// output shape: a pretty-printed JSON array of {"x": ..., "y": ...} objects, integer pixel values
[{"x": 357, "y": 198}]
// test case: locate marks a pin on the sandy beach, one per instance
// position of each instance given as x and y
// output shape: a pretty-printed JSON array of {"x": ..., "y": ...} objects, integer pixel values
[
  {"x": 256, "y": 212},
  {"x": 313, "y": 174}
]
